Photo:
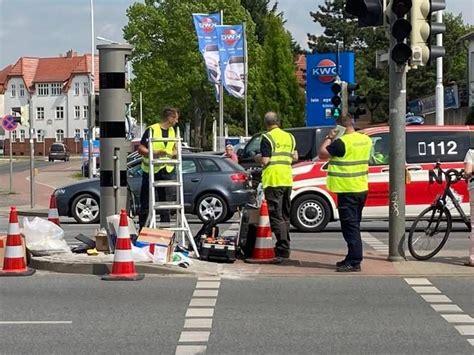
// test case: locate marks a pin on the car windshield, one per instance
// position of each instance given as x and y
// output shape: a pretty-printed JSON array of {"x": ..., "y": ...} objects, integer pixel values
[{"x": 57, "y": 148}]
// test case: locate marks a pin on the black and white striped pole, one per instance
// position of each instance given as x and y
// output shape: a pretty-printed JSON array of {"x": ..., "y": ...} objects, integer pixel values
[{"x": 114, "y": 101}]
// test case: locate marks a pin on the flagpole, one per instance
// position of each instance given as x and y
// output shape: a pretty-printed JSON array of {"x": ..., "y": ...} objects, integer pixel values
[
  {"x": 221, "y": 101},
  {"x": 245, "y": 83}
]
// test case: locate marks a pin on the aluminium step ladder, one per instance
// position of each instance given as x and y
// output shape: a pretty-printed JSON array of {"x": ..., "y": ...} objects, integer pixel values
[{"x": 181, "y": 226}]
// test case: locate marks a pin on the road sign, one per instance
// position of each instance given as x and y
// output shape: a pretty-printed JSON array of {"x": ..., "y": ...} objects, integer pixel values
[{"x": 9, "y": 123}]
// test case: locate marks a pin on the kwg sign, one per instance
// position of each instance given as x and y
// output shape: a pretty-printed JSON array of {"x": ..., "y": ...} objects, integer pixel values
[
  {"x": 325, "y": 71},
  {"x": 230, "y": 37},
  {"x": 207, "y": 24}
]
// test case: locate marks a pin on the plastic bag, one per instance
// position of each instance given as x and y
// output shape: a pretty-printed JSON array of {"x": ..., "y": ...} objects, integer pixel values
[
  {"x": 44, "y": 237},
  {"x": 260, "y": 195},
  {"x": 141, "y": 254}
]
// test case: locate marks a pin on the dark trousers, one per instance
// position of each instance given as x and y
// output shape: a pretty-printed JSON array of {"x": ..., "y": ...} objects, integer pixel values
[
  {"x": 278, "y": 201},
  {"x": 350, "y": 207},
  {"x": 162, "y": 193}
]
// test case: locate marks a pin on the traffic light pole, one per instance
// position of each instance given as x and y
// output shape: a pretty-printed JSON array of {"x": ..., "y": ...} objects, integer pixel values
[
  {"x": 397, "y": 160},
  {"x": 32, "y": 156}
]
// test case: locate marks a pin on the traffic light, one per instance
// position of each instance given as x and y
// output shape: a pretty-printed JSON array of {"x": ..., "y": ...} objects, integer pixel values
[
  {"x": 400, "y": 29},
  {"x": 354, "y": 101},
  {"x": 369, "y": 13},
  {"x": 336, "y": 100},
  {"x": 424, "y": 31}
]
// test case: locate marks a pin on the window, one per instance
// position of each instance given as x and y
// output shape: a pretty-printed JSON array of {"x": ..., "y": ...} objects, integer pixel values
[
  {"x": 13, "y": 90},
  {"x": 13, "y": 136},
  {"x": 85, "y": 111},
  {"x": 428, "y": 147},
  {"x": 379, "y": 154},
  {"x": 209, "y": 166},
  {"x": 43, "y": 89},
  {"x": 40, "y": 136},
  {"x": 56, "y": 89},
  {"x": 59, "y": 135},
  {"x": 76, "y": 89},
  {"x": 77, "y": 133},
  {"x": 77, "y": 112},
  {"x": 253, "y": 147},
  {"x": 40, "y": 113},
  {"x": 22, "y": 90},
  {"x": 59, "y": 112},
  {"x": 189, "y": 167},
  {"x": 85, "y": 88},
  {"x": 22, "y": 135}
]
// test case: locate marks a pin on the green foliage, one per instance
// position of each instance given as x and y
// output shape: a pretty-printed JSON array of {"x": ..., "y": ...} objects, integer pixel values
[
  {"x": 339, "y": 26},
  {"x": 170, "y": 71}
]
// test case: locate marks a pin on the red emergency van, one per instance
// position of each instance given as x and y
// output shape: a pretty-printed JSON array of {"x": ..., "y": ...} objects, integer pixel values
[{"x": 313, "y": 206}]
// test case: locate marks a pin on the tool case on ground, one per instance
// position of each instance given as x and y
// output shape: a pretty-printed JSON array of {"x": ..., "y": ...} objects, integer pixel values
[{"x": 219, "y": 252}]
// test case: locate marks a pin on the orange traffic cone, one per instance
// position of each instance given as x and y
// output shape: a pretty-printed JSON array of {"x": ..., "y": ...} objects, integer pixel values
[
  {"x": 123, "y": 268},
  {"x": 14, "y": 261},
  {"x": 264, "y": 251},
  {"x": 53, "y": 215}
]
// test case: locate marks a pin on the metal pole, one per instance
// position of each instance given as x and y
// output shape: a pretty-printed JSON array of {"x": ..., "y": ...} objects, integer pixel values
[
  {"x": 439, "y": 77},
  {"x": 246, "y": 84},
  {"x": 141, "y": 114},
  {"x": 397, "y": 160},
  {"x": 32, "y": 157},
  {"x": 91, "y": 96},
  {"x": 221, "y": 103},
  {"x": 11, "y": 164}
]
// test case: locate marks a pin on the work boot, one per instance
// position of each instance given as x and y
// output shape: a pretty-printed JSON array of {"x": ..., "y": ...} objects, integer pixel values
[{"x": 348, "y": 268}]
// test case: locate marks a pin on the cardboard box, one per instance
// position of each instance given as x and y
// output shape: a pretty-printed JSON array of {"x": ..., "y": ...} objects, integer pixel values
[
  {"x": 161, "y": 243},
  {"x": 3, "y": 244}
]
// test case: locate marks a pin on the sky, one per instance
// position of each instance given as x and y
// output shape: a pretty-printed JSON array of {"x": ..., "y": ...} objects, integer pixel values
[{"x": 47, "y": 28}]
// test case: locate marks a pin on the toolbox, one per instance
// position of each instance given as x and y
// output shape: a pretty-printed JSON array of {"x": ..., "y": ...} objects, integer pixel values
[{"x": 221, "y": 249}]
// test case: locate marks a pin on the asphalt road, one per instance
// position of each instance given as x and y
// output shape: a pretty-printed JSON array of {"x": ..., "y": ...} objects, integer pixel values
[
  {"x": 322, "y": 315},
  {"x": 22, "y": 164}
]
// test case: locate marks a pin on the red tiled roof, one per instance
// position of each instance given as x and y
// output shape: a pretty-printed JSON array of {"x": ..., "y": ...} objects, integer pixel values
[
  {"x": 3, "y": 77},
  {"x": 56, "y": 69}
]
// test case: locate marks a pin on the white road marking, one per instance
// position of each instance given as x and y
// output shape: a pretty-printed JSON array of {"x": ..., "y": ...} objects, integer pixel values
[
  {"x": 426, "y": 289},
  {"x": 417, "y": 281},
  {"x": 446, "y": 308},
  {"x": 36, "y": 322},
  {"x": 205, "y": 293},
  {"x": 202, "y": 302},
  {"x": 208, "y": 284},
  {"x": 458, "y": 318},
  {"x": 209, "y": 278},
  {"x": 194, "y": 337},
  {"x": 436, "y": 298},
  {"x": 198, "y": 323},
  {"x": 465, "y": 329},
  {"x": 471, "y": 341},
  {"x": 200, "y": 312},
  {"x": 190, "y": 349},
  {"x": 374, "y": 243}
]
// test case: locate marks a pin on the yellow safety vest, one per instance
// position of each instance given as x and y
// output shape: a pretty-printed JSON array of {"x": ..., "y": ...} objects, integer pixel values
[
  {"x": 350, "y": 172},
  {"x": 278, "y": 172},
  {"x": 155, "y": 132}
]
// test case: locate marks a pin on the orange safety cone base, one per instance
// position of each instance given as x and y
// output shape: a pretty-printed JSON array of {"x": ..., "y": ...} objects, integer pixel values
[
  {"x": 127, "y": 277},
  {"x": 25, "y": 272}
]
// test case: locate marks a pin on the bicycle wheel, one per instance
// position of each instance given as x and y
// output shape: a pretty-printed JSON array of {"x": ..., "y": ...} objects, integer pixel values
[{"x": 429, "y": 232}]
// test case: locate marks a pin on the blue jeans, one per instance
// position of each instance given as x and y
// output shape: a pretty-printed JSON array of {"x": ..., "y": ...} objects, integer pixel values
[{"x": 350, "y": 207}]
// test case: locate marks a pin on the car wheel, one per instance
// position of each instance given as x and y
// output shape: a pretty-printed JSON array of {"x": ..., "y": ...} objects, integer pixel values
[
  {"x": 310, "y": 213},
  {"x": 85, "y": 209},
  {"x": 211, "y": 205}
]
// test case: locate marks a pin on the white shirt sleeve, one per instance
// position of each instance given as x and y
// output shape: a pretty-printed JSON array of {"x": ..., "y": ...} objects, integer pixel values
[{"x": 469, "y": 156}]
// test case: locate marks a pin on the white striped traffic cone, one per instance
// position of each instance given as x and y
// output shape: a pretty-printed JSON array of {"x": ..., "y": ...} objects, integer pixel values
[
  {"x": 123, "y": 268},
  {"x": 264, "y": 250},
  {"x": 14, "y": 260},
  {"x": 53, "y": 215}
]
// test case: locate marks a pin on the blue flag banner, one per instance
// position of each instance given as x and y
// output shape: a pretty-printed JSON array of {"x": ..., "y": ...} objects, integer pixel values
[
  {"x": 232, "y": 58},
  {"x": 205, "y": 25}
]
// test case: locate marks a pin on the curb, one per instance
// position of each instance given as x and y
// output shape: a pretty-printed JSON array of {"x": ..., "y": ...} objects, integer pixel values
[
  {"x": 104, "y": 268},
  {"x": 38, "y": 213}
]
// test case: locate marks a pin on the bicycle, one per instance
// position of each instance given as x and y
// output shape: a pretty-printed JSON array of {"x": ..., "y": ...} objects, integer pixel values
[{"x": 433, "y": 236}]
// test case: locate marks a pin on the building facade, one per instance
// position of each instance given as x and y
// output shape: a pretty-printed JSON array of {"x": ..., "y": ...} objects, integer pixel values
[{"x": 54, "y": 94}]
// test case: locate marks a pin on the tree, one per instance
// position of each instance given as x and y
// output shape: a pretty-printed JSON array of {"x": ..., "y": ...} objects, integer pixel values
[
  {"x": 279, "y": 90},
  {"x": 168, "y": 67},
  {"x": 258, "y": 9}
]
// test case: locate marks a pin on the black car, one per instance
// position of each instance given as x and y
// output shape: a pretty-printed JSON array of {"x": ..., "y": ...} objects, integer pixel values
[{"x": 214, "y": 186}]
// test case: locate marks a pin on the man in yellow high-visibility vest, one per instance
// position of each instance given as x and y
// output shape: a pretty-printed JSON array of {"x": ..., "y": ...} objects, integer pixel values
[
  {"x": 278, "y": 151},
  {"x": 161, "y": 150},
  {"x": 348, "y": 177}
]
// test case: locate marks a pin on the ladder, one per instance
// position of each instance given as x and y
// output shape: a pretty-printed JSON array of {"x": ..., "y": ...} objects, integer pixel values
[{"x": 181, "y": 226}]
